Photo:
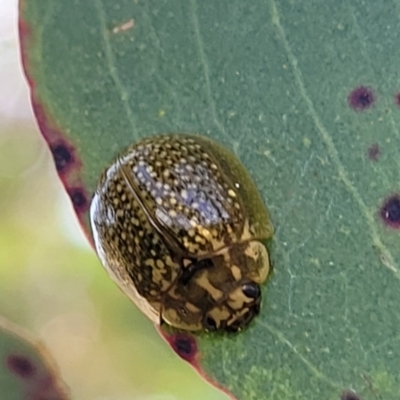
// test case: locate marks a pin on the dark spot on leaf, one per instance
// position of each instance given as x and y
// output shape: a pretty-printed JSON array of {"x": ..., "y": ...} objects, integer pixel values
[
  {"x": 184, "y": 345},
  {"x": 397, "y": 99},
  {"x": 349, "y": 395},
  {"x": 361, "y": 98},
  {"x": 78, "y": 199},
  {"x": 390, "y": 211},
  {"x": 21, "y": 366},
  {"x": 374, "y": 152},
  {"x": 62, "y": 156}
]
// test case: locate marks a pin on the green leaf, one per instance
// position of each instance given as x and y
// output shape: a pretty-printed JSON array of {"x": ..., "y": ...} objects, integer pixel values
[
  {"x": 272, "y": 81},
  {"x": 26, "y": 370}
]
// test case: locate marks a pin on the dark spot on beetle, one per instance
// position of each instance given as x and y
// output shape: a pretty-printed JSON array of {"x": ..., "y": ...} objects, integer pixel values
[
  {"x": 193, "y": 268},
  {"x": 350, "y": 395},
  {"x": 62, "y": 156},
  {"x": 209, "y": 323},
  {"x": 21, "y": 366},
  {"x": 184, "y": 345},
  {"x": 390, "y": 211},
  {"x": 397, "y": 99},
  {"x": 78, "y": 199},
  {"x": 374, "y": 152},
  {"x": 361, "y": 98}
]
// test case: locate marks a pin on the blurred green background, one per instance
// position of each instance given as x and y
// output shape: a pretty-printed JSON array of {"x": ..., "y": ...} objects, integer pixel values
[{"x": 51, "y": 282}]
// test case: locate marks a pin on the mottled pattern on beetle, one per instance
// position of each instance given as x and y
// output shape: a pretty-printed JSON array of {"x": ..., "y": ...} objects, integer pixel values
[
  {"x": 177, "y": 222},
  {"x": 216, "y": 290},
  {"x": 183, "y": 188},
  {"x": 132, "y": 241}
]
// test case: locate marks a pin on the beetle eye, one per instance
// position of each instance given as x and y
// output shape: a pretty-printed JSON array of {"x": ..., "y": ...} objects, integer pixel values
[
  {"x": 251, "y": 290},
  {"x": 209, "y": 323}
]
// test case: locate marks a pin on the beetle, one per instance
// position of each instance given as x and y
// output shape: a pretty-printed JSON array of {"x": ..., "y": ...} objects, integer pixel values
[{"x": 181, "y": 227}]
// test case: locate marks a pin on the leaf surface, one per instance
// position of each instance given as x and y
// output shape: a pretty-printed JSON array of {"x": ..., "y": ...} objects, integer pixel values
[
  {"x": 26, "y": 370},
  {"x": 305, "y": 93}
]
